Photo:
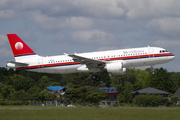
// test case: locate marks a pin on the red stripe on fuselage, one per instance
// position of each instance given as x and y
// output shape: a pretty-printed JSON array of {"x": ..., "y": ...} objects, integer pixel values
[{"x": 105, "y": 59}]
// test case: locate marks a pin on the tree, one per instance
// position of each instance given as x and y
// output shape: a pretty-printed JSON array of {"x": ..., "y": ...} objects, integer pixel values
[
  {"x": 150, "y": 100},
  {"x": 174, "y": 99},
  {"x": 55, "y": 84},
  {"x": 80, "y": 95},
  {"x": 125, "y": 95},
  {"x": 7, "y": 91},
  {"x": 105, "y": 77},
  {"x": 34, "y": 92},
  {"x": 175, "y": 77},
  {"x": 1, "y": 97},
  {"x": 4, "y": 71},
  {"x": 34, "y": 89},
  {"x": 142, "y": 80},
  {"x": 161, "y": 80},
  {"x": 77, "y": 95},
  {"x": 96, "y": 97},
  {"x": 20, "y": 96},
  {"x": 83, "y": 79},
  {"x": 44, "y": 82},
  {"x": 118, "y": 81},
  {"x": 2, "y": 78},
  {"x": 47, "y": 96},
  {"x": 22, "y": 83}
]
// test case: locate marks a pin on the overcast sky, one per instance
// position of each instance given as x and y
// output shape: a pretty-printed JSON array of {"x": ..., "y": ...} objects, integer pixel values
[{"x": 52, "y": 27}]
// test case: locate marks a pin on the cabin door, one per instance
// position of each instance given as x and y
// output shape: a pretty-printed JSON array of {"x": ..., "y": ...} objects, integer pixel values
[
  {"x": 40, "y": 63},
  {"x": 151, "y": 52}
]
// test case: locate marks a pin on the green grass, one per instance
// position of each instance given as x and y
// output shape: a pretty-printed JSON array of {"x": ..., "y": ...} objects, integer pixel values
[{"x": 88, "y": 113}]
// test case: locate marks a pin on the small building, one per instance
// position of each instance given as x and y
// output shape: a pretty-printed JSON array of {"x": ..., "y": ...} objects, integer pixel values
[
  {"x": 112, "y": 97},
  {"x": 150, "y": 91},
  {"x": 57, "y": 90},
  {"x": 177, "y": 93}
]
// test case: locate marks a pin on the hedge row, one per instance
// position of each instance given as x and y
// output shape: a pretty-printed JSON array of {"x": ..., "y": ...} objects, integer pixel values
[{"x": 15, "y": 103}]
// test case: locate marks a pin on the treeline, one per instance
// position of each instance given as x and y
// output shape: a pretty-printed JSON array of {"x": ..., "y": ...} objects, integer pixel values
[{"x": 18, "y": 85}]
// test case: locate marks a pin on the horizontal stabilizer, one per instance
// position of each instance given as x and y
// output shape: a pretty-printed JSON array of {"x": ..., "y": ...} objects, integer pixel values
[{"x": 13, "y": 64}]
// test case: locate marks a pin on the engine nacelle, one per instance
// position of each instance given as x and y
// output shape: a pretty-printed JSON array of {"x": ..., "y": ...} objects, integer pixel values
[
  {"x": 83, "y": 68},
  {"x": 116, "y": 68}
]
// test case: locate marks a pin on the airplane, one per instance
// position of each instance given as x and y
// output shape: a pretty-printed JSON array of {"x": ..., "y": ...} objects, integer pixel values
[{"x": 114, "y": 62}]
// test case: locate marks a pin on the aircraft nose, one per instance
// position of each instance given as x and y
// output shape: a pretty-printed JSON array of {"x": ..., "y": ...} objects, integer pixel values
[{"x": 173, "y": 56}]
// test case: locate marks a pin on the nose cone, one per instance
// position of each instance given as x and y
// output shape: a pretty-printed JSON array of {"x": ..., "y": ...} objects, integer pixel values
[{"x": 172, "y": 57}]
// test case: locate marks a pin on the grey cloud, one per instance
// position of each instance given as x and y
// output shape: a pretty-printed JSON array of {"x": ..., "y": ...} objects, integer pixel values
[
  {"x": 167, "y": 43},
  {"x": 166, "y": 25},
  {"x": 5, "y": 53},
  {"x": 107, "y": 48},
  {"x": 101, "y": 8},
  {"x": 151, "y": 8},
  {"x": 3, "y": 40},
  {"x": 93, "y": 36},
  {"x": 51, "y": 23}
]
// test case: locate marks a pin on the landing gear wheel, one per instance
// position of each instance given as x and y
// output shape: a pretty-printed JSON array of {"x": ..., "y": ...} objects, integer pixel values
[
  {"x": 98, "y": 78},
  {"x": 94, "y": 77}
]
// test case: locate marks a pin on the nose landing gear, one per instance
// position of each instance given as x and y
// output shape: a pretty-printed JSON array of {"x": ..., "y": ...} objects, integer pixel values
[{"x": 152, "y": 69}]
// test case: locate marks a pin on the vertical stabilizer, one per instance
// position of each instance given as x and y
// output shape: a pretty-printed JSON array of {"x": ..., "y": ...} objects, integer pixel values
[{"x": 19, "y": 48}]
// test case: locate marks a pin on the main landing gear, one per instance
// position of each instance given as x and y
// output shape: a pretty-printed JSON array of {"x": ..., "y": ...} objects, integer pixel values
[{"x": 95, "y": 77}]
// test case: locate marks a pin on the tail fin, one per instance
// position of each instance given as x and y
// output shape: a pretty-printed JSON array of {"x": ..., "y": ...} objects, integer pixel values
[{"x": 19, "y": 48}]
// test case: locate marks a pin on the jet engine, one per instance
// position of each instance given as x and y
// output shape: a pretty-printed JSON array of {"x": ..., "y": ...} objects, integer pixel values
[{"x": 116, "y": 68}]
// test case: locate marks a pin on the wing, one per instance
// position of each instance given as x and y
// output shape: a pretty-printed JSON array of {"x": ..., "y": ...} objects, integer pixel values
[{"x": 90, "y": 63}]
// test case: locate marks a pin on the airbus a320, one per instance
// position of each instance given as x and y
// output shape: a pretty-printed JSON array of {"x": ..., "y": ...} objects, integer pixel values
[{"x": 114, "y": 62}]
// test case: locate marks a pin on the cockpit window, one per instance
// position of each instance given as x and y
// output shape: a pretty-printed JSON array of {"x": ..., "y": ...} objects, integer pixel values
[{"x": 163, "y": 51}]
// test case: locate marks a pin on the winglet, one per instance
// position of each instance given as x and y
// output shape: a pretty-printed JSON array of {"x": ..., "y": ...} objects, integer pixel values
[{"x": 65, "y": 54}]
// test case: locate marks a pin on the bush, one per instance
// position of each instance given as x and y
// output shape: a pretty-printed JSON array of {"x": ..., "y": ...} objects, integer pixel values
[
  {"x": 174, "y": 99},
  {"x": 116, "y": 105},
  {"x": 150, "y": 100},
  {"x": 14, "y": 103}
]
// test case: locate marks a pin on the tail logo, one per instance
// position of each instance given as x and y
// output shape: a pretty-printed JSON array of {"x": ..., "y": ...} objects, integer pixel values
[{"x": 19, "y": 46}]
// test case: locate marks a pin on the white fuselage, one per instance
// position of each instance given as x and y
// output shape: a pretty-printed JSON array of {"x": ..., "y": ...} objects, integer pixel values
[{"x": 145, "y": 56}]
